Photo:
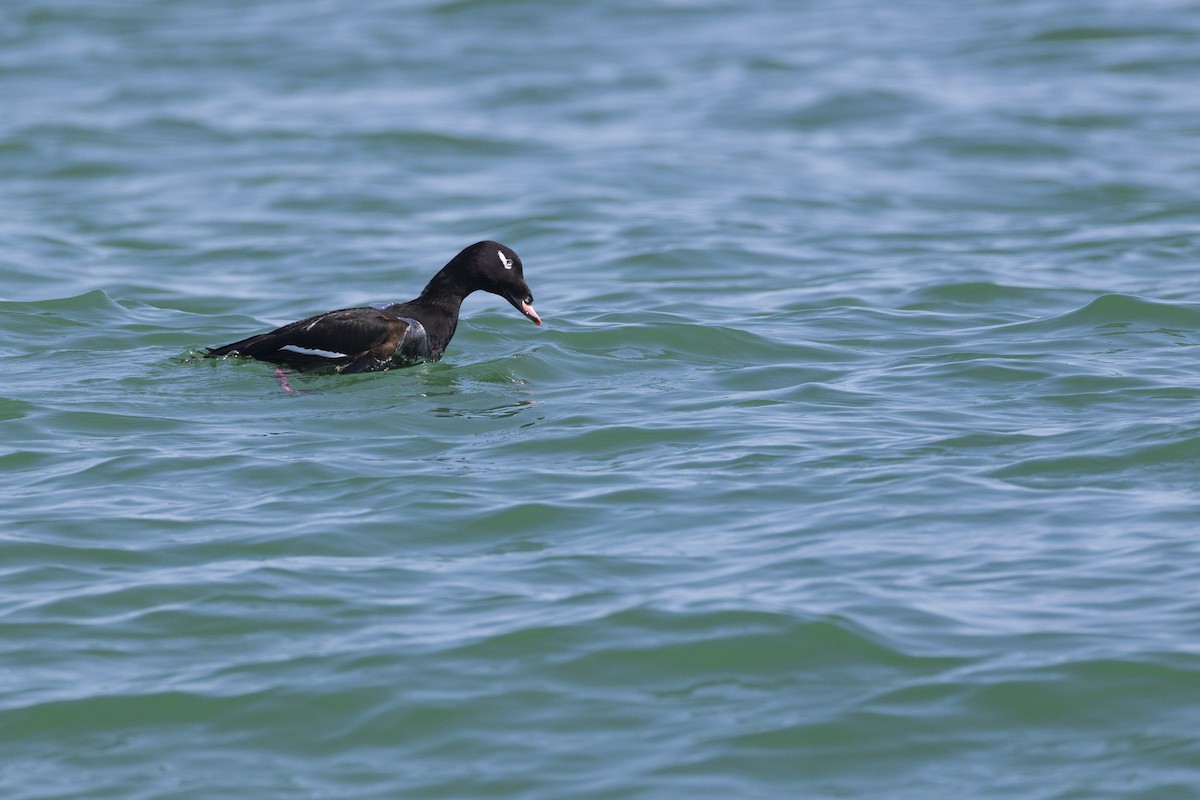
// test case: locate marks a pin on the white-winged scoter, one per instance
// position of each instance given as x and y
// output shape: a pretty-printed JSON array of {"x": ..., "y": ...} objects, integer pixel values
[{"x": 398, "y": 334}]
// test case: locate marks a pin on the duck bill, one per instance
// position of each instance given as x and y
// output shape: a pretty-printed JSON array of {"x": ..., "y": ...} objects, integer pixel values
[{"x": 528, "y": 311}]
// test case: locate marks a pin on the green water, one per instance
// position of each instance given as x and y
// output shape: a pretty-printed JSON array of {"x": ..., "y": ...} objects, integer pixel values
[{"x": 859, "y": 455}]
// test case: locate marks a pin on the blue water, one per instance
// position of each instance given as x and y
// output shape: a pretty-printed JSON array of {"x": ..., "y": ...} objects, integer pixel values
[{"x": 858, "y": 456}]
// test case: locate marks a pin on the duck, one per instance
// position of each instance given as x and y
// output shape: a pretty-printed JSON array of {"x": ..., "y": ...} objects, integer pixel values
[{"x": 384, "y": 336}]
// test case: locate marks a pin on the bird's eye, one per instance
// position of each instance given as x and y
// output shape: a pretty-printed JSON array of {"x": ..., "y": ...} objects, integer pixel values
[
  {"x": 505, "y": 260},
  {"x": 529, "y": 299}
]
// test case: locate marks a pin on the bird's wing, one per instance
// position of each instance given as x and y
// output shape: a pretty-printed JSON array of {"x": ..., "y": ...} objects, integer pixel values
[{"x": 340, "y": 338}]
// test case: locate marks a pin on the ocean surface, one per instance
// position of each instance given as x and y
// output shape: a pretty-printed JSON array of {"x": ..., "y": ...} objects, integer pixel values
[{"x": 858, "y": 455}]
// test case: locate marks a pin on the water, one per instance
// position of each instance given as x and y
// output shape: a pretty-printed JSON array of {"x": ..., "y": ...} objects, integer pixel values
[{"x": 859, "y": 455}]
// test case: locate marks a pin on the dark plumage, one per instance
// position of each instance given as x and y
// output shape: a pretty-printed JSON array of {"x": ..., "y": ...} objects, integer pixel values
[{"x": 396, "y": 335}]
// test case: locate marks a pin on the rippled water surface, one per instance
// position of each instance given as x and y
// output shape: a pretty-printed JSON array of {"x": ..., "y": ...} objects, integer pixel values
[{"x": 859, "y": 455}]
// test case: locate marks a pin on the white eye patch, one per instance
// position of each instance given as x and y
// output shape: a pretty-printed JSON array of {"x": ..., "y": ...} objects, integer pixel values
[{"x": 505, "y": 260}]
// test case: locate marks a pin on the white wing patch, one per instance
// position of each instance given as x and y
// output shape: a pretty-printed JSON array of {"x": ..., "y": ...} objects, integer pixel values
[
  {"x": 505, "y": 260},
  {"x": 312, "y": 351}
]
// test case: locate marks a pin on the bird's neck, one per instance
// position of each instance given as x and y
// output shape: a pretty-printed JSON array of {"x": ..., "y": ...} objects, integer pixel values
[
  {"x": 440, "y": 302},
  {"x": 445, "y": 290}
]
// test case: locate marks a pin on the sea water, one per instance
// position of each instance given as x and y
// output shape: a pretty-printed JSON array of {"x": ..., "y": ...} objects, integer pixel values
[{"x": 858, "y": 455}]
